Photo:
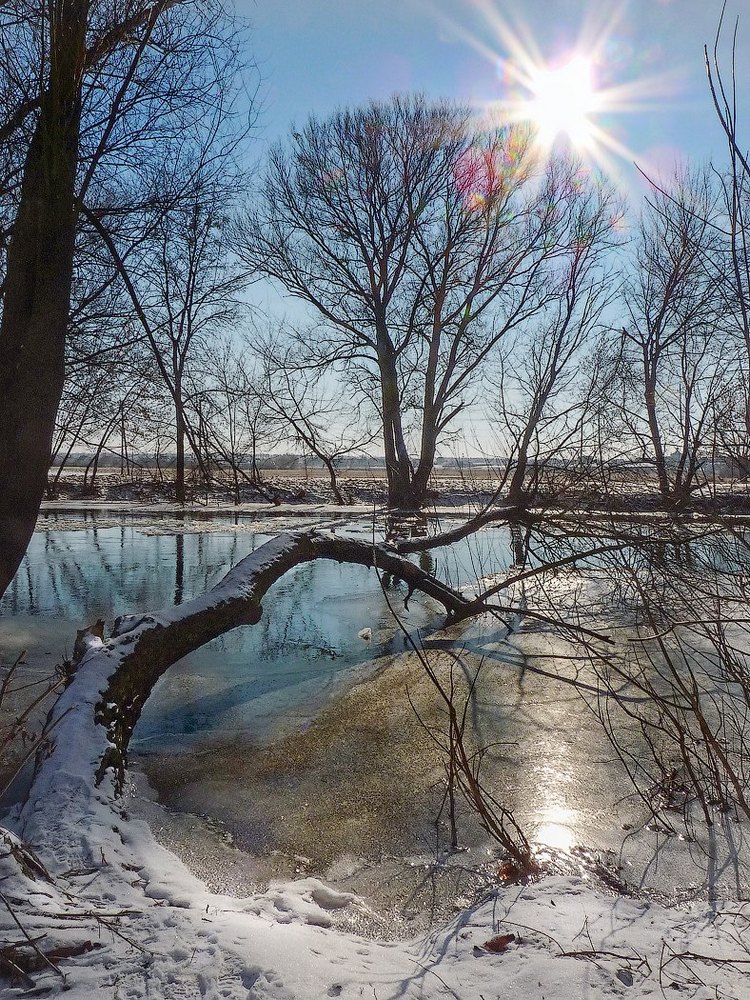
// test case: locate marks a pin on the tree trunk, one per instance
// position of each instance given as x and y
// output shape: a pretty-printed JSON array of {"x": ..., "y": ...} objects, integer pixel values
[
  {"x": 331, "y": 468},
  {"x": 124, "y": 669},
  {"x": 516, "y": 492},
  {"x": 93, "y": 465},
  {"x": 653, "y": 426},
  {"x": 397, "y": 463},
  {"x": 179, "y": 481},
  {"x": 37, "y": 290},
  {"x": 431, "y": 409},
  {"x": 426, "y": 457},
  {"x": 254, "y": 471}
]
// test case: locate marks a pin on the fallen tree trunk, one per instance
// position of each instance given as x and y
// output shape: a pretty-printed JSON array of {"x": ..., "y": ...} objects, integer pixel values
[
  {"x": 76, "y": 818},
  {"x": 91, "y": 724}
]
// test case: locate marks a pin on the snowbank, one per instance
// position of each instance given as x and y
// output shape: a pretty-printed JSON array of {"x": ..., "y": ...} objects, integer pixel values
[
  {"x": 134, "y": 923},
  {"x": 107, "y": 910}
]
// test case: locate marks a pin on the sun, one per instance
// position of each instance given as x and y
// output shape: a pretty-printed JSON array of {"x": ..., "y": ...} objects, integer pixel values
[
  {"x": 563, "y": 99},
  {"x": 577, "y": 95}
]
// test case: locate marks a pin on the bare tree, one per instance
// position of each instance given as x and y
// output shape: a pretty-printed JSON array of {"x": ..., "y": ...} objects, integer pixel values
[
  {"x": 543, "y": 395},
  {"x": 184, "y": 291},
  {"x": 312, "y": 411},
  {"x": 93, "y": 88},
  {"x": 735, "y": 189},
  {"x": 38, "y": 277},
  {"x": 683, "y": 681},
  {"x": 237, "y": 414},
  {"x": 420, "y": 241},
  {"x": 674, "y": 352}
]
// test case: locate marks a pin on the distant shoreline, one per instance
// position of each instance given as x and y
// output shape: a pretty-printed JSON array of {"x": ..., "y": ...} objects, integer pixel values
[{"x": 287, "y": 493}]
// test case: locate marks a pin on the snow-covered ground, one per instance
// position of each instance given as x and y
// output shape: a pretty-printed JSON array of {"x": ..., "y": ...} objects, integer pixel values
[
  {"x": 117, "y": 914},
  {"x": 128, "y": 920}
]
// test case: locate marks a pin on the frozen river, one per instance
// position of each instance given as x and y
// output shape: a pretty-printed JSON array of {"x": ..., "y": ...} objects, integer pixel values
[
  {"x": 246, "y": 683},
  {"x": 286, "y": 734}
]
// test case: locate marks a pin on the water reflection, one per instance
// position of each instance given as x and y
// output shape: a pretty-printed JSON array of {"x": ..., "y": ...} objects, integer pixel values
[
  {"x": 83, "y": 567},
  {"x": 239, "y": 687},
  {"x": 558, "y": 824},
  {"x": 245, "y": 681},
  {"x": 520, "y": 537},
  {"x": 402, "y": 526},
  {"x": 179, "y": 568},
  {"x": 79, "y": 574}
]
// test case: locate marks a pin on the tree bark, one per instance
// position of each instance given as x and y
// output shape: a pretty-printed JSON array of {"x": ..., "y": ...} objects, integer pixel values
[
  {"x": 37, "y": 293},
  {"x": 516, "y": 490},
  {"x": 653, "y": 425},
  {"x": 179, "y": 482},
  {"x": 426, "y": 455},
  {"x": 397, "y": 463}
]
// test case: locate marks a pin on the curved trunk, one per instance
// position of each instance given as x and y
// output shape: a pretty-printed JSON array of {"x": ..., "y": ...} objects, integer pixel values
[
  {"x": 114, "y": 678},
  {"x": 516, "y": 492},
  {"x": 333, "y": 479}
]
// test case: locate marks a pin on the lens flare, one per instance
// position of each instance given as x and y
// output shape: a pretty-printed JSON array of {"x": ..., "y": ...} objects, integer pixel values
[{"x": 578, "y": 94}]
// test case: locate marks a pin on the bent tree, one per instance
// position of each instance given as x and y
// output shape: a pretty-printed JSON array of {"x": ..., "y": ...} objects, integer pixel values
[
  {"x": 419, "y": 241},
  {"x": 89, "y": 729}
]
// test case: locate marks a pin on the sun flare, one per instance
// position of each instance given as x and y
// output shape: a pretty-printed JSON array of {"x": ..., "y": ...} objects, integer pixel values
[
  {"x": 576, "y": 94},
  {"x": 563, "y": 99}
]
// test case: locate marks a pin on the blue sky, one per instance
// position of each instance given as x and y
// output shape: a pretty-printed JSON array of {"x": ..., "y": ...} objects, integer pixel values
[{"x": 317, "y": 55}]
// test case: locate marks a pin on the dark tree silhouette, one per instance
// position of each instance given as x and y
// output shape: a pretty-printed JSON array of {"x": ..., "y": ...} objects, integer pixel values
[
  {"x": 420, "y": 241},
  {"x": 103, "y": 89}
]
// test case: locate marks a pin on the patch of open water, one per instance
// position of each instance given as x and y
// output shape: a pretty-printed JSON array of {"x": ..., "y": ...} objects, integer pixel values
[{"x": 312, "y": 760}]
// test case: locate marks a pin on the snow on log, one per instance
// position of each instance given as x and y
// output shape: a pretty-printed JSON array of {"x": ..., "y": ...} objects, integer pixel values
[{"x": 92, "y": 722}]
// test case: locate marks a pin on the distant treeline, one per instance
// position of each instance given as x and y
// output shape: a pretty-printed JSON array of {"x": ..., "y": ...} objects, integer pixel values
[{"x": 287, "y": 460}]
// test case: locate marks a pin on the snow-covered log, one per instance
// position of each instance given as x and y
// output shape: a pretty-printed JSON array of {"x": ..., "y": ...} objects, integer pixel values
[
  {"x": 91, "y": 724},
  {"x": 101, "y": 908}
]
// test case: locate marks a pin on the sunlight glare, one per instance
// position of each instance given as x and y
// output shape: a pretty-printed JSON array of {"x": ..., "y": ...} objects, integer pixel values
[
  {"x": 579, "y": 94},
  {"x": 557, "y": 836},
  {"x": 563, "y": 99}
]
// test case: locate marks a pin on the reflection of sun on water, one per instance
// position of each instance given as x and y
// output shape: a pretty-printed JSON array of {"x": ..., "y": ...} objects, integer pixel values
[
  {"x": 556, "y": 823},
  {"x": 554, "y": 832}
]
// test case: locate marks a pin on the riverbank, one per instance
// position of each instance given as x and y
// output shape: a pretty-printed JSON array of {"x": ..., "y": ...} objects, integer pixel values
[
  {"x": 127, "y": 918},
  {"x": 356, "y": 795},
  {"x": 347, "y": 893},
  {"x": 451, "y": 489}
]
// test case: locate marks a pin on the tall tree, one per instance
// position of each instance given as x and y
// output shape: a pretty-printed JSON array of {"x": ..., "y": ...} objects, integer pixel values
[
  {"x": 93, "y": 90},
  {"x": 37, "y": 285},
  {"x": 735, "y": 226},
  {"x": 543, "y": 398},
  {"x": 420, "y": 241},
  {"x": 674, "y": 345},
  {"x": 181, "y": 284}
]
